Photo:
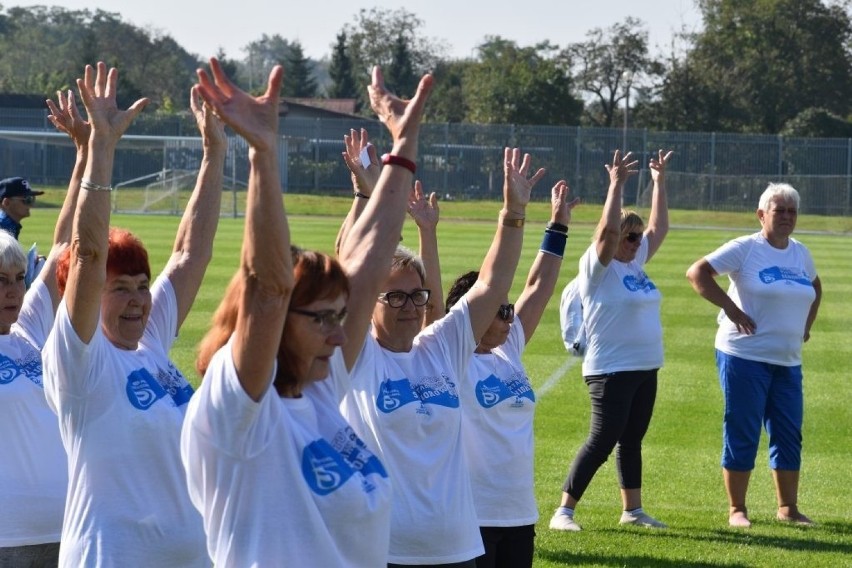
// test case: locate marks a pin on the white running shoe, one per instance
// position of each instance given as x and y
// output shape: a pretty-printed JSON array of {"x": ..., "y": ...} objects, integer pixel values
[
  {"x": 641, "y": 520},
  {"x": 563, "y": 522}
]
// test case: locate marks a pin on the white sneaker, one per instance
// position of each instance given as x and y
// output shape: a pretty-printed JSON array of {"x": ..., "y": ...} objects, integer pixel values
[
  {"x": 641, "y": 520},
  {"x": 563, "y": 522}
]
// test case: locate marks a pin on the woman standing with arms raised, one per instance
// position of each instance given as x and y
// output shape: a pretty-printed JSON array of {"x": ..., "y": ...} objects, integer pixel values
[
  {"x": 625, "y": 342},
  {"x": 119, "y": 398}
]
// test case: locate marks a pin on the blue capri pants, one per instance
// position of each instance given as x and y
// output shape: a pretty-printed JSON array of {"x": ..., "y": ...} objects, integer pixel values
[{"x": 760, "y": 394}]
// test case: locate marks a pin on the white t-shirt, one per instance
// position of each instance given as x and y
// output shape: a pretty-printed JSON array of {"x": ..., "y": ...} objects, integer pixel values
[
  {"x": 498, "y": 406},
  {"x": 33, "y": 466},
  {"x": 772, "y": 286},
  {"x": 283, "y": 481},
  {"x": 120, "y": 415},
  {"x": 621, "y": 309},
  {"x": 406, "y": 405}
]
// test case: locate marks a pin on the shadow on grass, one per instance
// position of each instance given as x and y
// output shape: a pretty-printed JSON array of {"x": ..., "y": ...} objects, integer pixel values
[{"x": 819, "y": 540}]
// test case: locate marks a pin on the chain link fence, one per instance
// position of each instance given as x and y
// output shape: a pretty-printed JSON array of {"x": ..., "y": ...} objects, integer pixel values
[{"x": 710, "y": 171}]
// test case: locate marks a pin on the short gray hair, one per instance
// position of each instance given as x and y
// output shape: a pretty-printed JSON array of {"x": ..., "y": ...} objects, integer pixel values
[
  {"x": 404, "y": 258},
  {"x": 783, "y": 190},
  {"x": 12, "y": 256}
]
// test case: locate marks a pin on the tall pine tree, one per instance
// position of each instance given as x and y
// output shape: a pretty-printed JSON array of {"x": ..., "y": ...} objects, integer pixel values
[
  {"x": 400, "y": 76},
  {"x": 300, "y": 78},
  {"x": 340, "y": 70}
]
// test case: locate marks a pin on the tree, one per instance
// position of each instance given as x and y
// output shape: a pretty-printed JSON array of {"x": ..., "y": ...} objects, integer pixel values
[
  {"x": 372, "y": 38},
  {"x": 519, "y": 85},
  {"x": 757, "y": 65},
  {"x": 45, "y": 49},
  {"x": 300, "y": 81},
  {"x": 261, "y": 56},
  {"x": 446, "y": 102},
  {"x": 608, "y": 64},
  {"x": 340, "y": 71},
  {"x": 400, "y": 75}
]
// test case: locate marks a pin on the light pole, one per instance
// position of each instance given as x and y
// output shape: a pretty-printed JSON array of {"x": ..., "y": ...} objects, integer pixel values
[{"x": 628, "y": 80}]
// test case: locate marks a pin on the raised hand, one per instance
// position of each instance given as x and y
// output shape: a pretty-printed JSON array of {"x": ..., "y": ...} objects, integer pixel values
[
  {"x": 253, "y": 118},
  {"x": 98, "y": 91},
  {"x": 561, "y": 203},
  {"x": 66, "y": 118},
  {"x": 658, "y": 165},
  {"x": 364, "y": 175},
  {"x": 517, "y": 183},
  {"x": 211, "y": 127},
  {"x": 621, "y": 168},
  {"x": 402, "y": 118},
  {"x": 424, "y": 210}
]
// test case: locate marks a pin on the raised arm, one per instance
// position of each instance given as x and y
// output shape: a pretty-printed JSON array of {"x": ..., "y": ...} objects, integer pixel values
[
  {"x": 658, "y": 220},
  {"x": 89, "y": 240},
  {"x": 367, "y": 250},
  {"x": 193, "y": 248},
  {"x": 425, "y": 212},
  {"x": 608, "y": 232},
  {"x": 363, "y": 163},
  {"x": 66, "y": 118},
  {"x": 501, "y": 261},
  {"x": 544, "y": 272},
  {"x": 266, "y": 265}
]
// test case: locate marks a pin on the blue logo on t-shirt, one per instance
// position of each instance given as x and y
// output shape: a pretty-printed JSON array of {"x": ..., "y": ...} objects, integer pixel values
[
  {"x": 29, "y": 366},
  {"x": 172, "y": 380},
  {"x": 492, "y": 391},
  {"x": 640, "y": 283},
  {"x": 430, "y": 390},
  {"x": 347, "y": 443},
  {"x": 143, "y": 390},
  {"x": 325, "y": 469},
  {"x": 788, "y": 275}
]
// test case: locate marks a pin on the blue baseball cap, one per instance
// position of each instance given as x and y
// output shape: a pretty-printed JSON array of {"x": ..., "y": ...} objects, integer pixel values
[{"x": 16, "y": 187}]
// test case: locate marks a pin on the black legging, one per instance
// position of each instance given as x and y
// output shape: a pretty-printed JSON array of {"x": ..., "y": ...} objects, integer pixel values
[{"x": 622, "y": 405}]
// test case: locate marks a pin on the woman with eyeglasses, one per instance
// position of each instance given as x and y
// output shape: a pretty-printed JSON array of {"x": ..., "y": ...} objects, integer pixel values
[
  {"x": 624, "y": 349},
  {"x": 498, "y": 403},
  {"x": 33, "y": 463},
  {"x": 404, "y": 399},
  {"x": 766, "y": 316},
  {"x": 278, "y": 474}
]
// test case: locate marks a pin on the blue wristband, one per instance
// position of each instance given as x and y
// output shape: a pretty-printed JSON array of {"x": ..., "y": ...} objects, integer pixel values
[{"x": 553, "y": 243}]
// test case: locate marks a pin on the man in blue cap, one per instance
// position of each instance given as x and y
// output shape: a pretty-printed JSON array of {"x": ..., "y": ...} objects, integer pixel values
[{"x": 16, "y": 199}]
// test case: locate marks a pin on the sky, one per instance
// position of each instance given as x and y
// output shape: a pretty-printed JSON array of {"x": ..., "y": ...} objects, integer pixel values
[{"x": 203, "y": 27}]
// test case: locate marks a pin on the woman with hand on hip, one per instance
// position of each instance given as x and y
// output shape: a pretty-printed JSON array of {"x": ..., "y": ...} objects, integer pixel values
[{"x": 767, "y": 313}]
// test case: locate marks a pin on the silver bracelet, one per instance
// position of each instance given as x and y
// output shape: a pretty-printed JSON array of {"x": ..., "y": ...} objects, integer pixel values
[{"x": 89, "y": 185}]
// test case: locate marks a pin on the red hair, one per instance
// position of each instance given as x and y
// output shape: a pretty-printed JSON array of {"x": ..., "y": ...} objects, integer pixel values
[
  {"x": 126, "y": 255},
  {"x": 317, "y": 277}
]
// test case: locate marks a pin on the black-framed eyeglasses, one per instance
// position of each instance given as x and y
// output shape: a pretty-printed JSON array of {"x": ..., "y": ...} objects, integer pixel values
[
  {"x": 506, "y": 312},
  {"x": 397, "y": 298},
  {"x": 633, "y": 237},
  {"x": 327, "y": 319},
  {"x": 28, "y": 199}
]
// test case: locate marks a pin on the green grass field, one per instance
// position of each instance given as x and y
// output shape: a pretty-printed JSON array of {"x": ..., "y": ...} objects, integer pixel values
[{"x": 682, "y": 481}]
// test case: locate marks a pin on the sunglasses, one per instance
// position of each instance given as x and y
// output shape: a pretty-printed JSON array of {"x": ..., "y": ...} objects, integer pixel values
[
  {"x": 397, "y": 298},
  {"x": 28, "y": 199},
  {"x": 506, "y": 312},
  {"x": 633, "y": 237},
  {"x": 327, "y": 319}
]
